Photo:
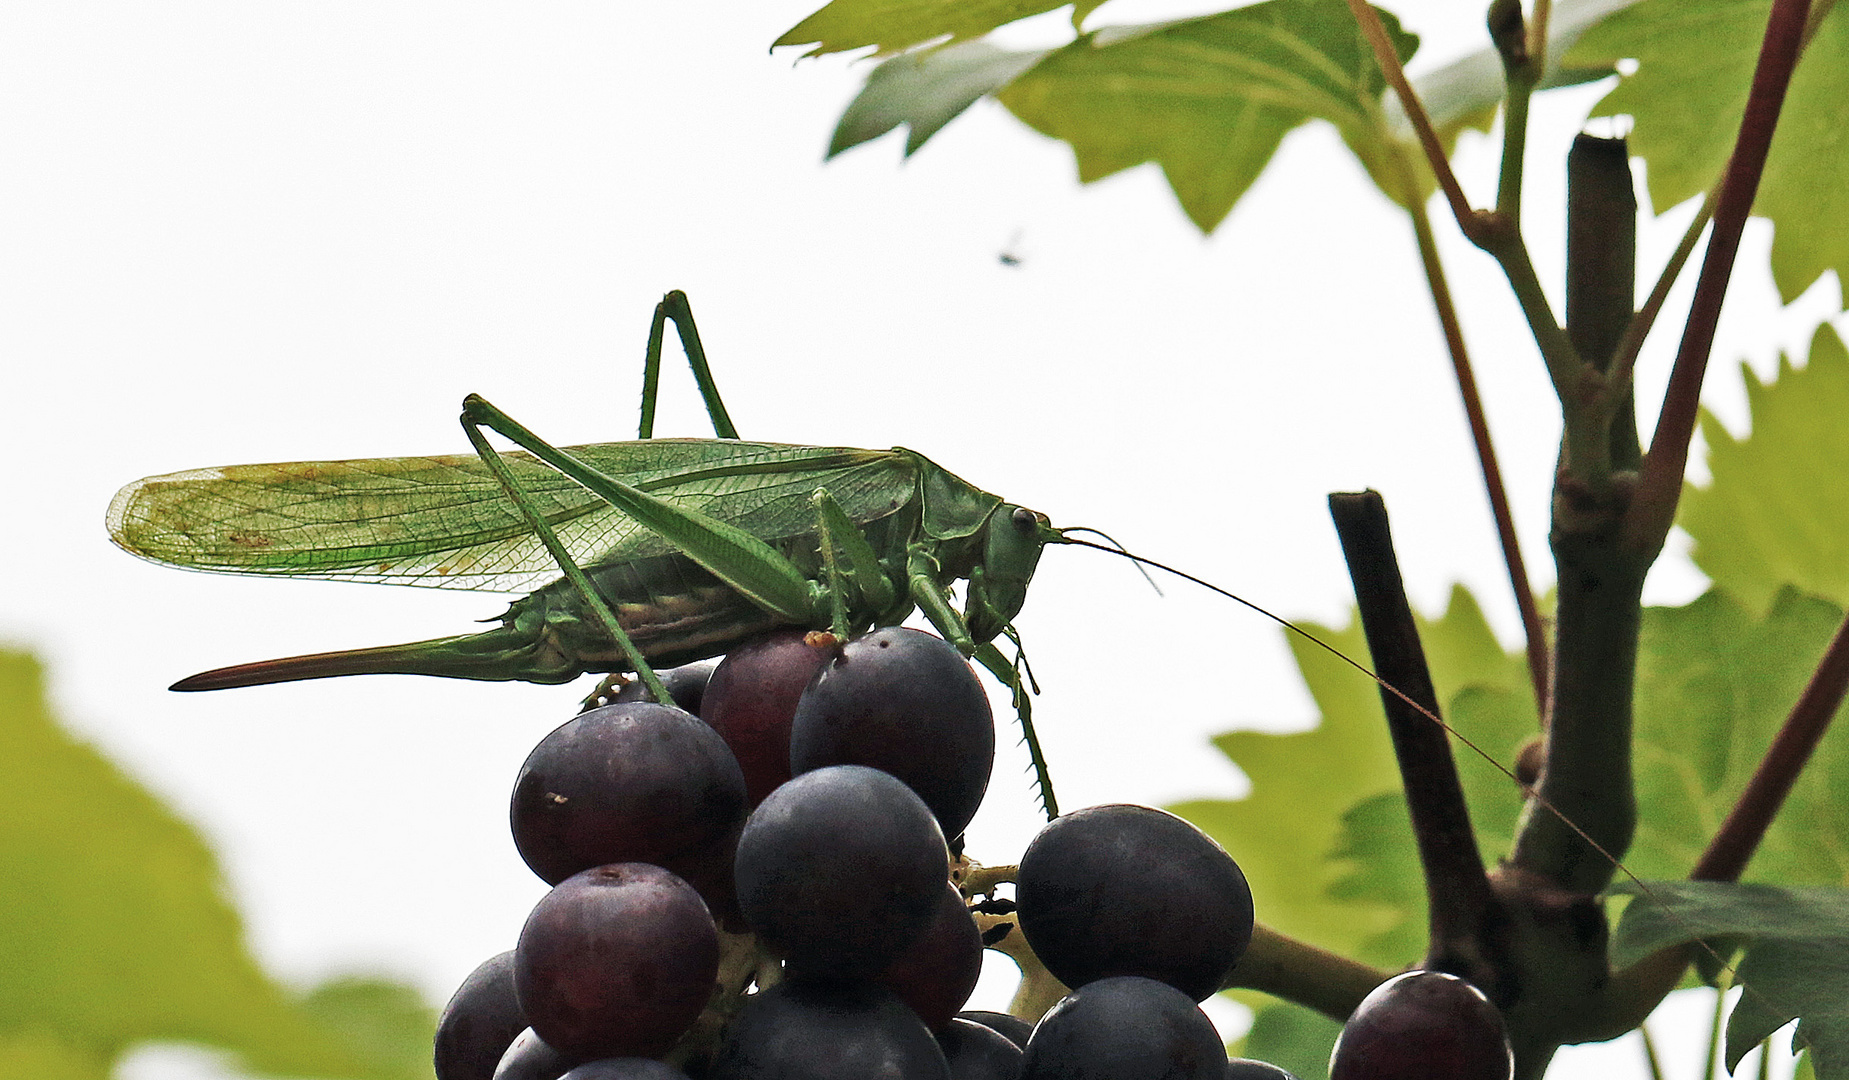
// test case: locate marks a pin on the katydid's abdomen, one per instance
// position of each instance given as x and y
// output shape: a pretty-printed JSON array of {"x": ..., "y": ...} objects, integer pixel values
[{"x": 675, "y": 611}]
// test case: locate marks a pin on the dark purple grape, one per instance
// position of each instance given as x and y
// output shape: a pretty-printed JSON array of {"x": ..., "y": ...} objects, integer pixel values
[
  {"x": 1124, "y": 1028},
  {"x": 629, "y": 1068},
  {"x": 1420, "y": 1024},
  {"x": 840, "y": 870},
  {"x": 837, "y": 1031},
  {"x": 1248, "y": 1069},
  {"x": 636, "y": 782},
  {"x": 977, "y": 1052},
  {"x": 939, "y": 972},
  {"x": 481, "y": 1020},
  {"x": 1012, "y": 1028},
  {"x": 616, "y": 961},
  {"x": 904, "y": 702},
  {"x": 686, "y": 685},
  {"x": 1129, "y": 890},
  {"x": 528, "y": 1057}
]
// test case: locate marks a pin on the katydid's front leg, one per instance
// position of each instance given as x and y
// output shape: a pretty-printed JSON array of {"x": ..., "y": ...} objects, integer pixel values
[{"x": 925, "y": 573}]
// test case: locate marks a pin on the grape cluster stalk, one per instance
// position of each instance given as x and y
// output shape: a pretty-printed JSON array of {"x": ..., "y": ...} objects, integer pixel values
[{"x": 754, "y": 883}]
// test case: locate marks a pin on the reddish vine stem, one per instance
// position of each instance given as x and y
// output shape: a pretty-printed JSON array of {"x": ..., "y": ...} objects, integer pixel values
[
  {"x": 1376, "y": 33},
  {"x": 1536, "y": 634},
  {"x": 1458, "y": 891},
  {"x": 1732, "y": 846},
  {"x": 1660, "y": 482}
]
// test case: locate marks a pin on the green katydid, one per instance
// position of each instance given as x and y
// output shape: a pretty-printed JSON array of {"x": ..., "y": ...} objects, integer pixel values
[{"x": 687, "y": 546}]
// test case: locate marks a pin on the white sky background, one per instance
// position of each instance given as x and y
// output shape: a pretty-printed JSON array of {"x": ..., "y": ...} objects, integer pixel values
[{"x": 247, "y": 232}]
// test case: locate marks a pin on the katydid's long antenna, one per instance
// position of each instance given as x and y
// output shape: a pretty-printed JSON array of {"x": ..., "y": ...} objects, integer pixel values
[{"x": 1114, "y": 546}]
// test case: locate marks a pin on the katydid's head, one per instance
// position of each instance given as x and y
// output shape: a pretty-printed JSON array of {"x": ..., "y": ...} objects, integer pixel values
[{"x": 1011, "y": 543}]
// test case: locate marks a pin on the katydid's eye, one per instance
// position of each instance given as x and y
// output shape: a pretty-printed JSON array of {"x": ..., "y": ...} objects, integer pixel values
[{"x": 1025, "y": 520}]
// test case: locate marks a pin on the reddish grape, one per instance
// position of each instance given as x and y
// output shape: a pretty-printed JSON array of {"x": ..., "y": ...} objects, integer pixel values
[
  {"x": 1420, "y": 1024},
  {"x": 939, "y": 972},
  {"x": 635, "y": 782},
  {"x": 616, "y": 961},
  {"x": 481, "y": 1020},
  {"x": 751, "y": 699},
  {"x": 529, "y": 1057}
]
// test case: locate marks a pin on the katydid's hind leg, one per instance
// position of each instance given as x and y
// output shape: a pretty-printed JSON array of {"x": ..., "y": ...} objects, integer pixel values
[
  {"x": 523, "y": 501},
  {"x": 758, "y": 571},
  {"x": 651, "y": 372},
  {"x": 674, "y": 307}
]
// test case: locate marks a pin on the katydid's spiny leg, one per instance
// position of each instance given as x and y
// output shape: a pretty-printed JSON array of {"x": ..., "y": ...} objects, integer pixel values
[{"x": 519, "y": 496}]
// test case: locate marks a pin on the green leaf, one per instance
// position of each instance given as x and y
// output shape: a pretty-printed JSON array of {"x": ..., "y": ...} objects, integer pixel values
[
  {"x": 387, "y": 1025},
  {"x": 1776, "y": 509},
  {"x": 1795, "y": 964},
  {"x": 114, "y": 929},
  {"x": 1468, "y": 92},
  {"x": 893, "y": 25},
  {"x": 1209, "y": 99},
  {"x": 1714, "y": 682},
  {"x": 1291, "y": 1037},
  {"x": 1695, "y": 61},
  {"x": 925, "y": 90}
]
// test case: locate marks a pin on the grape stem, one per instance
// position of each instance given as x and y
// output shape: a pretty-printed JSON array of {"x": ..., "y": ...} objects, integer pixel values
[
  {"x": 1284, "y": 967},
  {"x": 1039, "y": 990}
]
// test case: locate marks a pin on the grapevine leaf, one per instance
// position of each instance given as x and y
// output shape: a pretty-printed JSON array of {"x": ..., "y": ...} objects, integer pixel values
[
  {"x": 1714, "y": 682},
  {"x": 114, "y": 929},
  {"x": 1467, "y": 92},
  {"x": 1695, "y": 62},
  {"x": 1774, "y": 512},
  {"x": 1291, "y": 1037},
  {"x": 925, "y": 90},
  {"x": 1795, "y": 963},
  {"x": 1209, "y": 99},
  {"x": 894, "y": 25}
]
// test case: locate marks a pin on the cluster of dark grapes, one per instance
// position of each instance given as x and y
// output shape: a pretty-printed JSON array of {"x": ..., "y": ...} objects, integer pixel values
[{"x": 754, "y": 884}]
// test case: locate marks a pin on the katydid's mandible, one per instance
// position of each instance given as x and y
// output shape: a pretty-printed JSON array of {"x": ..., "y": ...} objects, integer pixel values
[{"x": 670, "y": 550}]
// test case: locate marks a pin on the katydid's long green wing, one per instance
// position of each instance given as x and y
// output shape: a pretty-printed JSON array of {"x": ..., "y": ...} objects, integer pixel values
[{"x": 443, "y": 522}]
